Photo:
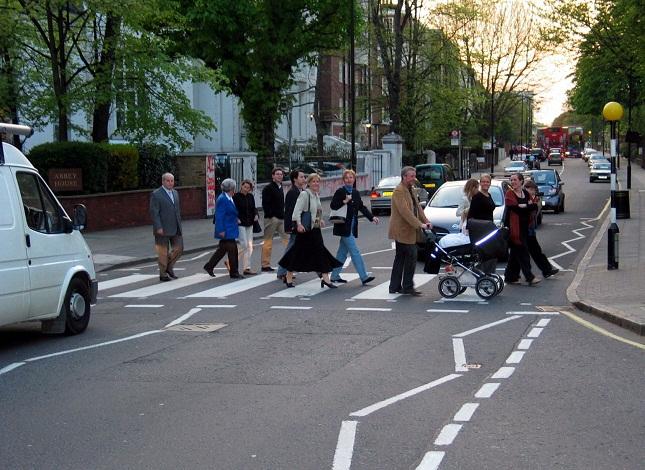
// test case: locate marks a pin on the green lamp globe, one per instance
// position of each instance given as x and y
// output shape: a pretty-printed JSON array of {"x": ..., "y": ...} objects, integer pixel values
[{"x": 612, "y": 111}]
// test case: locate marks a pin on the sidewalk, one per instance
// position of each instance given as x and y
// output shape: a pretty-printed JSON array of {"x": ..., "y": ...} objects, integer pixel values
[{"x": 614, "y": 295}]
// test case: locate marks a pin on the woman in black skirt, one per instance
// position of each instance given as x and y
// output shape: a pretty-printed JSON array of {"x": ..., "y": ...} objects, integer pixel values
[{"x": 308, "y": 252}]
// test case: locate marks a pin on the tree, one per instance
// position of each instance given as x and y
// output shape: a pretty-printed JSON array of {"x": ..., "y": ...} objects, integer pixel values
[{"x": 256, "y": 44}]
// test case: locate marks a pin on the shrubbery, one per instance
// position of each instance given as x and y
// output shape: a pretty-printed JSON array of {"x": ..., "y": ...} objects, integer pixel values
[
  {"x": 123, "y": 167},
  {"x": 154, "y": 161}
]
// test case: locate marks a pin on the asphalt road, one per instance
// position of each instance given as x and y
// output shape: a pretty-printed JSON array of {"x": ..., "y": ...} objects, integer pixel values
[{"x": 308, "y": 378}]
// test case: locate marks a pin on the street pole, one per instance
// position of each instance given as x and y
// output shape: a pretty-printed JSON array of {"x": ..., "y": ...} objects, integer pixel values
[
  {"x": 352, "y": 86},
  {"x": 612, "y": 112},
  {"x": 492, "y": 131}
]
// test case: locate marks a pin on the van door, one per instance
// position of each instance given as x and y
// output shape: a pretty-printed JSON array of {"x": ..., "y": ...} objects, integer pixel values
[
  {"x": 50, "y": 251},
  {"x": 14, "y": 276}
]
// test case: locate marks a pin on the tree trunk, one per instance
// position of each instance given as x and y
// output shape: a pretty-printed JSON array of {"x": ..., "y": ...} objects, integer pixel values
[{"x": 104, "y": 78}]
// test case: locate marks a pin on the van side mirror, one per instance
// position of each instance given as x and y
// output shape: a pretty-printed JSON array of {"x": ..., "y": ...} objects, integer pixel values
[
  {"x": 80, "y": 217},
  {"x": 68, "y": 226}
]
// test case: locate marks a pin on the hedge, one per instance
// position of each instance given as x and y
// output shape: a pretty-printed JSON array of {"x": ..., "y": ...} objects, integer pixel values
[
  {"x": 123, "y": 167},
  {"x": 154, "y": 161}
]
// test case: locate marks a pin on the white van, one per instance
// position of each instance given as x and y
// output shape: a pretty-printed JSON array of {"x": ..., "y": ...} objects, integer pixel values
[{"x": 46, "y": 268}]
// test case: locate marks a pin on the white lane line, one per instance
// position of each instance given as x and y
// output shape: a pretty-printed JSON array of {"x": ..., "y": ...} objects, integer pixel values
[
  {"x": 446, "y": 310},
  {"x": 535, "y": 332},
  {"x": 388, "y": 268},
  {"x": 469, "y": 295},
  {"x": 144, "y": 306},
  {"x": 369, "y": 309},
  {"x": 526, "y": 304},
  {"x": 503, "y": 373},
  {"x": 447, "y": 434},
  {"x": 289, "y": 307},
  {"x": 347, "y": 261},
  {"x": 515, "y": 357},
  {"x": 216, "y": 306},
  {"x": 382, "y": 404},
  {"x": 532, "y": 313},
  {"x": 124, "y": 281},
  {"x": 483, "y": 327},
  {"x": 306, "y": 289},
  {"x": 381, "y": 291},
  {"x": 460, "y": 354},
  {"x": 487, "y": 390},
  {"x": 235, "y": 287},
  {"x": 524, "y": 344},
  {"x": 431, "y": 460},
  {"x": 11, "y": 367},
  {"x": 164, "y": 287},
  {"x": 466, "y": 412},
  {"x": 201, "y": 255},
  {"x": 345, "y": 446},
  {"x": 94, "y": 346},
  {"x": 184, "y": 317},
  {"x": 543, "y": 322}
]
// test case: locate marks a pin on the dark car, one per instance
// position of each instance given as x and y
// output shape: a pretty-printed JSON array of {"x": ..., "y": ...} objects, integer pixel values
[
  {"x": 554, "y": 159},
  {"x": 539, "y": 154},
  {"x": 433, "y": 175},
  {"x": 381, "y": 195},
  {"x": 550, "y": 189}
]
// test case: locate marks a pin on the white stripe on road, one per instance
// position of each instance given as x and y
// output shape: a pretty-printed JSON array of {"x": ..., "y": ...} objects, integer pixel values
[
  {"x": 124, "y": 281},
  {"x": 235, "y": 287},
  {"x": 369, "y": 309},
  {"x": 503, "y": 373},
  {"x": 289, "y": 307},
  {"x": 184, "y": 317},
  {"x": 11, "y": 367},
  {"x": 445, "y": 310},
  {"x": 216, "y": 306},
  {"x": 144, "y": 306},
  {"x": 515, "y": 357},
  {"x": 460, "y": 354},
  {"x": 484, "y": 327},
  {"x": 524, "y": 344},
  {"x": 466, "y": 412},
  {"x": 431, "y": 460},
  {"x": 381, "y": 291},
  {"x": 543, "y": 322},
  {"x": 535, "y": 332},
  {"x": 307, "y": 289},
  {"x": 487, "y": 390},
  {"x": 164, "y": 287},
  {"x": 345, "y": 446},
  {"x": 447, "y": 434},
  {"x": 382, "y": 404},
  {"x": 532, "y": 313}
]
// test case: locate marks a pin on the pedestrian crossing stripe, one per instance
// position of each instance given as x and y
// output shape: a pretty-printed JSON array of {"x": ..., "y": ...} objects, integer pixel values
[
  {"x": 381, "y": 291},
  {"x": 164, "y": 287},
  {"x": 308, "y": 288},
  {"x": 124, "y": 281},
  {"x": 232, "y": 288}
]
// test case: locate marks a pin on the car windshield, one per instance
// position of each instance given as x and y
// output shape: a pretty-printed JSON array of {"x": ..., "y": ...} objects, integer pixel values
[
  {"x": 543, "y": 177},
  {"x": 516, "y": 165},
  {"x": 602, "y": 166},
  {"x": 450, "y": 196},
  {"x": 389, "y": 182},
  {"x": 431, "y": 173}
]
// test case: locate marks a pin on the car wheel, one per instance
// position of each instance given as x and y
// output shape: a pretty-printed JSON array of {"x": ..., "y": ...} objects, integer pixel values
[
  {"x": 591, "y": 180},
  {"x": 76, "y": 307}
]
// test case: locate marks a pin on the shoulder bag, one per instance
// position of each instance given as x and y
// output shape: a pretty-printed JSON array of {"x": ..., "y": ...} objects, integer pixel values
[
  {"x": 338, "y": 216},
  {"x": 305, "y": 216}
]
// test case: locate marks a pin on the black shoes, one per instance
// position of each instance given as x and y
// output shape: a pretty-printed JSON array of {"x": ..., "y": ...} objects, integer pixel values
[
  {"x": 339, "y": 281},
  {"x": 413, "y": 292},
  {"x": 551, "y": 273},
  {"x": 236, "y": 276},
  {"x": 209, "y": 270},
  {"x": 394, "y": 291},
  {"x": 164, "y": 278},
  {"x": 267, "y": 269},
  {"x": 367, "y": 280},
  {"x": 289, "y": 284},
  {"x": 324, "y": 283},
  {"x": 171, "y": 273}
]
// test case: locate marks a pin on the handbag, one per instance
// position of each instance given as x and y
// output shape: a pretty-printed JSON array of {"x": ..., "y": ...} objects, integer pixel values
[
  {"x": 305, "y": 216},
  {"x": 338, "y": 216},
  {"x": 257, "y": 228}
]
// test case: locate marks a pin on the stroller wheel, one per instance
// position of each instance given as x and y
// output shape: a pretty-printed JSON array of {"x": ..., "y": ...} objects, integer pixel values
[
  {"x": 500, "y": 283},
  {"x": 450, "y": 287},
  {"x": 486, "y": 287}
]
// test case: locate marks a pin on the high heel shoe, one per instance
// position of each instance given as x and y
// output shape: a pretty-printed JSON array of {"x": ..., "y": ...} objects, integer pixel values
[
  {"x": 290, "y": 284},
  {"x": 328, "y": 284}
]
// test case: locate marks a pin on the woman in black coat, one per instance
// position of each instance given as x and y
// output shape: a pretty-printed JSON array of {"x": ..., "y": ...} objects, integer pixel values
[{"x": 348, "y": 231}]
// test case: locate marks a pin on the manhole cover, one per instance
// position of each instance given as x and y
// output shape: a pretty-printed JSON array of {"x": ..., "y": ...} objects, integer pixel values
[
  {"x": 200, "y": 328},
  {"x": 473, "y": 366}
]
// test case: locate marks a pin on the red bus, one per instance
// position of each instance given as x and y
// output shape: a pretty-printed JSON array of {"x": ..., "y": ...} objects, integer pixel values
[{"x": 553, "y": 137}]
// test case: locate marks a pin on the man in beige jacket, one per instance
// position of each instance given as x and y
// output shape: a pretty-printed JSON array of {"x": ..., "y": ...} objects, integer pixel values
[{"x": 406, "y": 219}]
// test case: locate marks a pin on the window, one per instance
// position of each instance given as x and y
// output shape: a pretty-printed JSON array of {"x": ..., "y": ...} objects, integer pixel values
[{"x": 41, "y": 209}]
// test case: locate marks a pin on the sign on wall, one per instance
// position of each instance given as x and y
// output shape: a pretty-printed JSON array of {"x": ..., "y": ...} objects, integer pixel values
[
  {"x": 210, "y": 185},
  {"x": 65, "y": 179}
]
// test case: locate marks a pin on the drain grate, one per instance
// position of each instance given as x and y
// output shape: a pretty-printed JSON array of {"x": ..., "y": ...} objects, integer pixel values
[{"x": 198, "y": 328}]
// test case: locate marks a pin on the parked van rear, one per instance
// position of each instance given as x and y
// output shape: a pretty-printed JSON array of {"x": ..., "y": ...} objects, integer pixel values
[
  {"x": 46, "y": 268},
  {"x": 433, "y": 175}
]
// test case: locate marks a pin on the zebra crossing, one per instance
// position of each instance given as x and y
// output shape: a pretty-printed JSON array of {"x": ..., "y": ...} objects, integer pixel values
[{"x": 202, "y": 283}]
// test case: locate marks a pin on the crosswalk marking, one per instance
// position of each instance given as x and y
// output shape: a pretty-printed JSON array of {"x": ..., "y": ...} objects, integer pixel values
[
  {"x": 164, "y": 287},
  {"x": 469, "y": 295},
  {"x": 381, "y": 291},
  {"x": 236, "y": 287},
  {"x": 308, "y": 288},
  {"x": 124, "y": 281}
]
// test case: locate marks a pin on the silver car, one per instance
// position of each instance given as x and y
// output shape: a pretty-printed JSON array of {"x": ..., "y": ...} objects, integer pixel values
[
  {"x": 441, "y": 211},
  {"x": 381, "y": 194}
]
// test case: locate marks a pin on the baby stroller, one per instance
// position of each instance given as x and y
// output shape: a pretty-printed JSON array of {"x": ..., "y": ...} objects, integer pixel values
[{"x": 473, "y": 264}]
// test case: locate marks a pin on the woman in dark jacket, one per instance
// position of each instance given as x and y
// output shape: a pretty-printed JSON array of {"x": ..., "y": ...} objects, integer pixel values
[
  {"x": 348, "y": 232},
  {"x": 482, "y": 205},
  {"x": 247, "y": 213}
]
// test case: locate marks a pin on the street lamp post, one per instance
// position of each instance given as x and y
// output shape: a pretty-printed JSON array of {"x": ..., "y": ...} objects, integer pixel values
[
  {"x": 492, "y": 130},
  {"x": 613, "y": 112}
]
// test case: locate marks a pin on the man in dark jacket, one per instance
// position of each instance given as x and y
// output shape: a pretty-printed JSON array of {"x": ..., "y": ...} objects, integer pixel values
[
  {"x": 165, "y": 213},
  {"x": 348, "y": 231},
  {"x": 273, "y": 207},
  {"x": 298, "y": 182}
]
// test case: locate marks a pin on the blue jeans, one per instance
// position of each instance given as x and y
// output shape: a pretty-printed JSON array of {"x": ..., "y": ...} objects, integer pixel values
[
  {"x": 292, "y": 240},
  {"x": 348, "y": 245}
]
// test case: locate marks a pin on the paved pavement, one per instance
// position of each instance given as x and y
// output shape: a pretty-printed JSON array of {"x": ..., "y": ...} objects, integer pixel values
[{"x": 615, "y": 295}]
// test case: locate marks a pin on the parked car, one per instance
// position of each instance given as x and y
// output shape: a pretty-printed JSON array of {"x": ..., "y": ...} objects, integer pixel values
[
  {"x": 600, "y": 171},
  {"x": 441, "y": 211},
  {"x": 539, "y": 154},
  {"x": 381, "y": 195},
  {"x": 46, "y": 268},
  {"x": 515, "y": 167},
  {"x": 597, "y": 158},
  {"x": 433, "y": 175},
  {"x": 550, "y": 189},
  {"x": 554, "y": 159}
]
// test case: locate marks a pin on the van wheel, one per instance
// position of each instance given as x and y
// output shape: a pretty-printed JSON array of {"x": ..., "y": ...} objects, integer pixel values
[{"x": 76, "y": 307}]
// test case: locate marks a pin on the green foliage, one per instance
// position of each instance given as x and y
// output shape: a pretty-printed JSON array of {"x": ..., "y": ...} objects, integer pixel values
[
  {"x": 123, "y": 167},
  {"x": 154, "y": 161},
  {"x": 92, "y": 159}
]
